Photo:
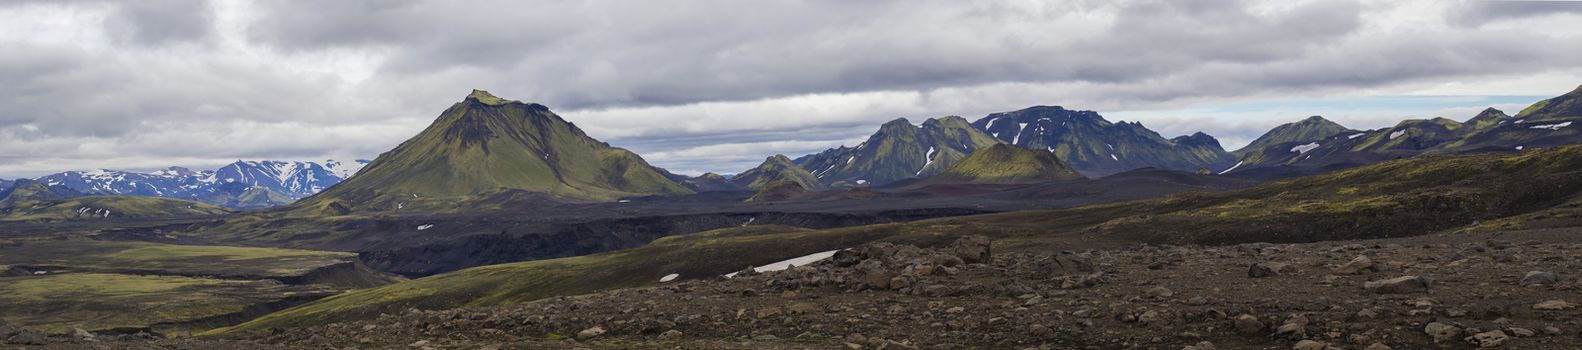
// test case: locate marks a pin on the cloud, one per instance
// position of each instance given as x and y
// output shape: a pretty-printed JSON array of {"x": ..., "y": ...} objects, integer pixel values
[{"x": 717, "y": 85}]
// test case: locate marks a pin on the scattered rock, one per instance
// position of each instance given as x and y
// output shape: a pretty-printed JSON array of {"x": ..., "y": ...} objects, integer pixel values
[
  {"x": 1377, "y": 346},
  {"x": 1399, "y": 285},
  {"x": 1490, "y": 339},
  {"x": 1201, "y": 346}
]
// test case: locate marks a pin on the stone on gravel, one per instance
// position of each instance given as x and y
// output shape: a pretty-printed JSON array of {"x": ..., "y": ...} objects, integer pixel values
[
  {"x": 1248, "y": 325},
  {"x": 670, "y": 334},
  {"x": 1539, "y": 278},
  {"x": 1309, "y": 345},
  {"x": 590, "y": 333},
  {"x": 1201, "y": 346},
  {"x": 1262, "y": 270},
  {"x": 1159, "y": 292},
  {"x": 1357, "y": 266},
  {"x": 80, "y": 334},
  {"x": 27, "y": 337},
  {"x": 1490, "y": 339},
  {"x": 1554, "y": 305},
  {"x": 1399, "y": 285},
  {"x": 1377, "y": 346},
  {"x": 1441, "y": 331}
]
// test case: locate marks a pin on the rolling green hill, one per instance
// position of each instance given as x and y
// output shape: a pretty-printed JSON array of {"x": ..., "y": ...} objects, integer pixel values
[
  {"x": 1006, "y": 164},
  {"x": 899, "y": 150},
  {"x": 774, "y": 169},
  {"x": 1313, "y": 128},
  {"x": 486, "y": 144}
]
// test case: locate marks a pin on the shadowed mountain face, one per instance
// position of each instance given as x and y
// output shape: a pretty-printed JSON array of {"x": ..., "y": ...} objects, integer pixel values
[
  {"x": 898, "y": 151},
  {"x": 487, "y": 144},
  {"x": 775, "y": 169},
  {"x": 1552, "y": 122},
  {"x": 1096, "y": 147},
  {"x": 1006, "y": 164},
  {"x": 1313, "y": 128}
]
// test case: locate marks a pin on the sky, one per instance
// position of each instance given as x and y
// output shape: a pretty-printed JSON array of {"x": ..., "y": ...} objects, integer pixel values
[{"x": 699, "y": 86}]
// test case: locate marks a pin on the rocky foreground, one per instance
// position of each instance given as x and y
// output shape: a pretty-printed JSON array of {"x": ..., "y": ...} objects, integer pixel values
[{"x": 1513, "y": 290}]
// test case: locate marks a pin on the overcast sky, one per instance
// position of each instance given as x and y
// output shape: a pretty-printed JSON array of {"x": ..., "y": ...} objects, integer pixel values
[{"x": 699, "y": 86}]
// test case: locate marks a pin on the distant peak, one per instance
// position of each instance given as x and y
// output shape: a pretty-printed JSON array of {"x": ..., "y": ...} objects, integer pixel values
[
  {"x": 1315, "y": 119},
  {"x": 898, "y": 122},
  {"x": 489, "y": 99}
]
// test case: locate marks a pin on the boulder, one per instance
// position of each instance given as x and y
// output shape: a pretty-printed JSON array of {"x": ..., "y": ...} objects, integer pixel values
[{"x": 972, "y": 249}]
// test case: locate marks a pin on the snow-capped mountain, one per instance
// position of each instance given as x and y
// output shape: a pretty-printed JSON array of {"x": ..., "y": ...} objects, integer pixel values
[{"x": 243, "y": 184}]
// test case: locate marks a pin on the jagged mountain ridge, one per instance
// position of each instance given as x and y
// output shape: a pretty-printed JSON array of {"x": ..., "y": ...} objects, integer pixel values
[
  {"x": 899, "y": 150},
  {"x": 1096, "y": 147},
  {"x": 486, "y": 145}
]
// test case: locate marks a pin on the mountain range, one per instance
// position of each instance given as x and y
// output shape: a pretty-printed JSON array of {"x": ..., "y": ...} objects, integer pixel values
[
  {"x": 240, "y": 185},
  {"x": 1544, "y": 124}
]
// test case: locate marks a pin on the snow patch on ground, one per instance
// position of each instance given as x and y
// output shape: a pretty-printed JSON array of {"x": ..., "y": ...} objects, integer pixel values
[
  {"x": 1304, "y": 148},
  {"x": 1553, "y": 126},
  {"x": 788, "y": 263},
  {"x": 1356, "y": 135},
  {"x": 668, "y": 278},
  {"x": 1233, "y": 167},
  {"x": 929, "y": 159},
  {"x": 1112, "y": 156},
  {"x": 1397, "y": 134},
  {"x": 424, "y": 227}
]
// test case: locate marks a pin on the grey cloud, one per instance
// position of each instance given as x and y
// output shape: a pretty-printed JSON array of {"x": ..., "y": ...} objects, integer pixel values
[
  {"x": 172, "y": 70},
  {"x": 157, "y": 22},
  {"x": 1480, "y": 12}
]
